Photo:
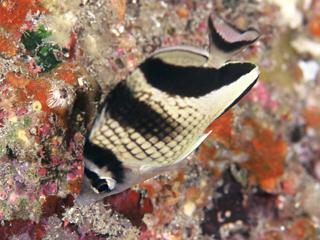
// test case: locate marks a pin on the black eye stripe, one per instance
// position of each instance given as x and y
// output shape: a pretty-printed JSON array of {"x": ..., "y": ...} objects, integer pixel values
[
  {"x": 100, "y": 184},
  {"x": 103, "y": 157}
]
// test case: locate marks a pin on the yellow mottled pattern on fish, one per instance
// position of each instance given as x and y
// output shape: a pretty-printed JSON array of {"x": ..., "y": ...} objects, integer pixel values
[
  {"x": 151, "y": 121},
  {"x": 160, "y": 129}
]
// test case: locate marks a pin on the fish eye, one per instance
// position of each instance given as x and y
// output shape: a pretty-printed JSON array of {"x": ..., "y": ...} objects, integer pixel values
[
  {"x": 100, "y": 184},
  {"x": 111, "y": 183},
  {"x": 105, "y": 184}
]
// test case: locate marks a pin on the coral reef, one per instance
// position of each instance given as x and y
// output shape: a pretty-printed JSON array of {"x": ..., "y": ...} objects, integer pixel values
[{"x": 255, "y": 177}]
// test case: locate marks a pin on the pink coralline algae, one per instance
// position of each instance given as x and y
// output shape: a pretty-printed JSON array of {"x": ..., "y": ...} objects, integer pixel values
[
  {"x": 22, "y": 229},
  {"x": 3, "y": 117},
  {"x": 260, "y": 94},
  {"x": 132, "y": 205}
]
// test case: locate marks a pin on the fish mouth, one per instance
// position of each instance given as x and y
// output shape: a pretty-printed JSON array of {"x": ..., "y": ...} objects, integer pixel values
[{"x": 92, "y": 197}]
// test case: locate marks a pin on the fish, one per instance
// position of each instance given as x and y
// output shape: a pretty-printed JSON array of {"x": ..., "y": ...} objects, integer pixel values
[{"x": 152, "y": 120}]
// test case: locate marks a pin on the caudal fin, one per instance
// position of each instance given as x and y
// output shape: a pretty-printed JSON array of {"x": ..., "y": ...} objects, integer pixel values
[{"x": 227, "y": 40}]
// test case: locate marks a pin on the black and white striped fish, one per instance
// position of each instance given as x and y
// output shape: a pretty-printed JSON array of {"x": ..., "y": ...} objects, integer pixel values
[{"x": 154, "y": 119}]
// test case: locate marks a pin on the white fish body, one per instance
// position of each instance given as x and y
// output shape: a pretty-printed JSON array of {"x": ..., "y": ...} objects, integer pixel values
[{"x": 155, "y": 118}]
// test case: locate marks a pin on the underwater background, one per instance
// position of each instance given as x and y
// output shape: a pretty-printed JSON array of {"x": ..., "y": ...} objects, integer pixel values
[{"x": 257, "y": 176}]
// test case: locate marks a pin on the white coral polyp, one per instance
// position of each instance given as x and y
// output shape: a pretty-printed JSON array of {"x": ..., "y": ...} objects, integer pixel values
[{"x": 60, "y": 97}]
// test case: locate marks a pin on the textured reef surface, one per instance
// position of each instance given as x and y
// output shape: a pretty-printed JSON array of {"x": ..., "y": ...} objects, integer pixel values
[{"x": 257, "y": 176}]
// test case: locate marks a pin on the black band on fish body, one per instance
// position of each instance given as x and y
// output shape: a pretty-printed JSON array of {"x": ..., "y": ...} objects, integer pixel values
[
  {"x": 130, "y": 112},
  {"x": 191, "y": 81}
]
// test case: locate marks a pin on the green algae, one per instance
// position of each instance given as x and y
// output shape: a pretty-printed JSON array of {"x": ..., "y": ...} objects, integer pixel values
[
  {"x": 44, "y": 53},
  {"x": 33, "y": 39}
]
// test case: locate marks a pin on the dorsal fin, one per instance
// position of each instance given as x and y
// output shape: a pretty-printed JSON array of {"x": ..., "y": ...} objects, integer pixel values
[{"x": 182, "y": 56}]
